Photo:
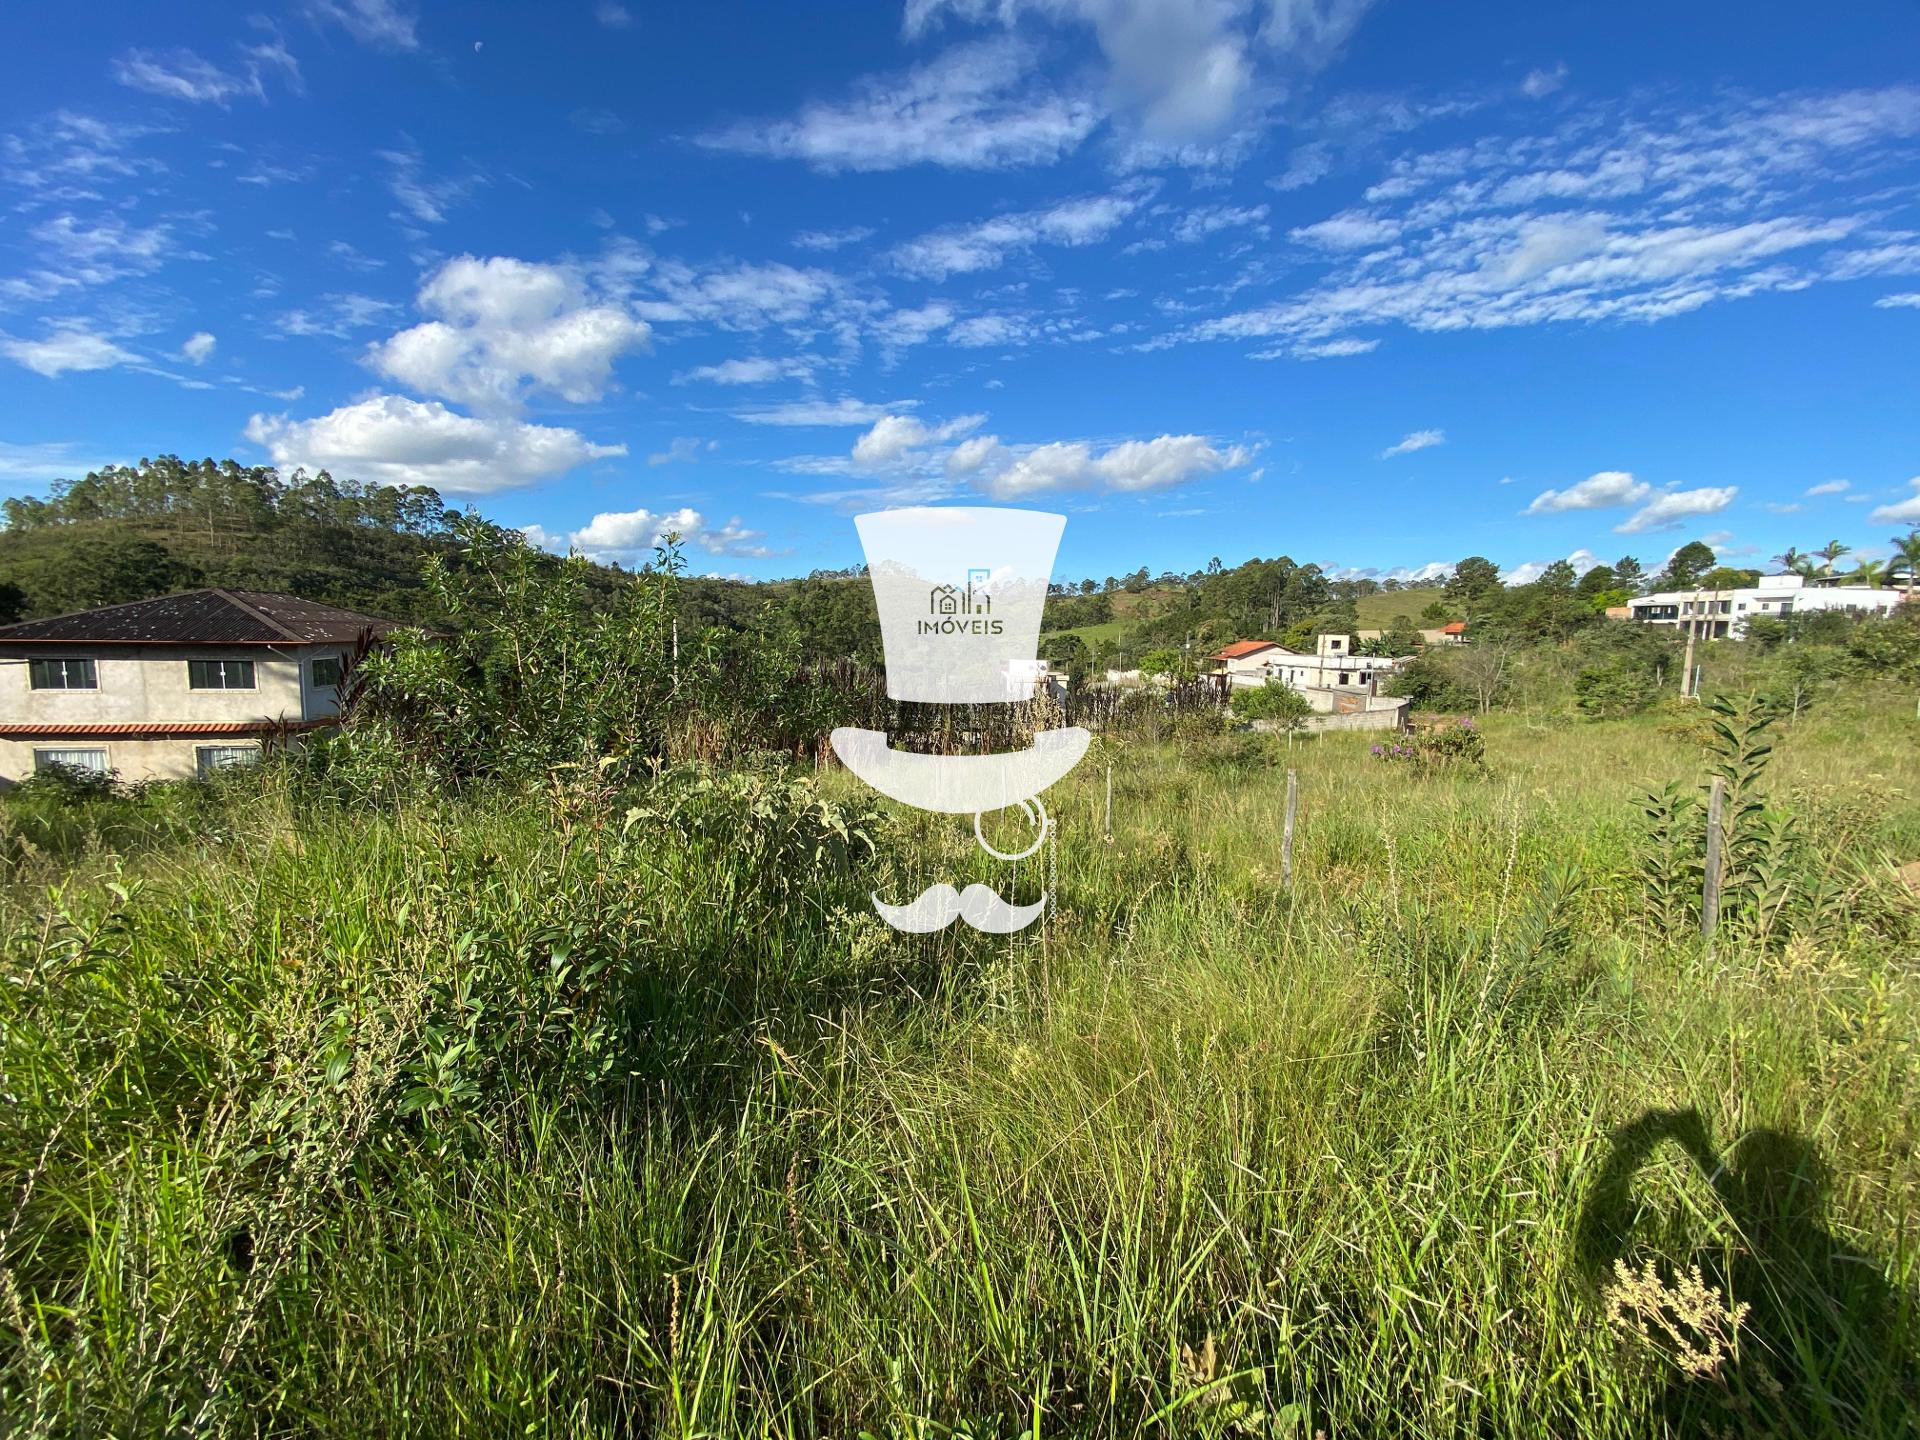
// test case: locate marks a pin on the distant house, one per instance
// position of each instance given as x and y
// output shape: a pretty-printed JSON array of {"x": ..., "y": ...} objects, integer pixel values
[
  {"x": 1333, "y": 667},
  {"x": 1719, "y": 614},
  {"x": 1454, "y": 632},
  {"x": 172, "y": 687}
]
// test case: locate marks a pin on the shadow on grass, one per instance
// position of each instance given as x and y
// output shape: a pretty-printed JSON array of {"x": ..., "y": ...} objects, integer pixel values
[{"x": 1827, "y": 1346}]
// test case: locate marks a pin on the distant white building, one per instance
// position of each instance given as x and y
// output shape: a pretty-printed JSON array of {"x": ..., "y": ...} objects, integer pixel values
[
  {"x": 1332, "y": 667},
  {"x": 1723, "y": 614},
  {"x": 172, "y": 687}
]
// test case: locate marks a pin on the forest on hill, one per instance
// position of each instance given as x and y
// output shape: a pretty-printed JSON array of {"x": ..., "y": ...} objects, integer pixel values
[{"x": 130, "y": 532}]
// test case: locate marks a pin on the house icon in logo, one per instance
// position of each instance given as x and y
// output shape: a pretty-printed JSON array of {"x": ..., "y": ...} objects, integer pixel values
[{"x": 944, "y": 600}]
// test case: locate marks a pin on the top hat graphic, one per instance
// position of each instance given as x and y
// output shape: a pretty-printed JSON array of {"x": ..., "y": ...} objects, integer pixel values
[{"x": 960, "y": 590}]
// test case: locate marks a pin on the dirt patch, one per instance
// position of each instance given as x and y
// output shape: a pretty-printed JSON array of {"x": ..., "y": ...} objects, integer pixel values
[{"x": 1909, "y": 875}]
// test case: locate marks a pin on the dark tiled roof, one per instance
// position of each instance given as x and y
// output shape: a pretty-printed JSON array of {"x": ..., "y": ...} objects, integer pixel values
[{"x": 201, "y": 617}]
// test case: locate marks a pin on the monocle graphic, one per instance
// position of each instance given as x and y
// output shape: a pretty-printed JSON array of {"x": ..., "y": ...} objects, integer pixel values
[{"x": 960, "y": 591}]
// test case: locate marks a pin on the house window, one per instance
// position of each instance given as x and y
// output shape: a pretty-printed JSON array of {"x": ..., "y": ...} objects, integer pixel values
[
  {"x": 209, "y": 758},
  {"x": 88, "y": 761},
  {"x": 62, "y": 675},
  {"x": 327, "y": 670},
  {"x": 220, "y": 674}
]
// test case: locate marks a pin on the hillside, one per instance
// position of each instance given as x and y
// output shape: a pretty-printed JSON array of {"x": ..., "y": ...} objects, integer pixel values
[{"x": 130, "y": 532}]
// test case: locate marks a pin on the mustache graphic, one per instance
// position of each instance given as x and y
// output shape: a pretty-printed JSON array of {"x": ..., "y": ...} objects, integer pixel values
[{"x": 937, "y": 906}]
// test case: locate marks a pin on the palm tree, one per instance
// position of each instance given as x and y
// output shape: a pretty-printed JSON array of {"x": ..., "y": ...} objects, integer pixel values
[
  {"x": 1870, "y": 572},
  {"x": 1831, "y": 552},
  {"x": 1805, "y": 568},
  {"x": 1790, "y": 561},
  {"x": 1906, "y": 559}
]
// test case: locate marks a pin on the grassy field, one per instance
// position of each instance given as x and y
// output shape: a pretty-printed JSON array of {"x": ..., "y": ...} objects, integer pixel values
[
  {"x": 623, "y": 1115},
  {"x": 1377, "y": 611}
]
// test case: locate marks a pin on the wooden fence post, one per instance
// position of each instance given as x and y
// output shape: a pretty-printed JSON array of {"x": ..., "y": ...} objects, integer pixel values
[
  {"x": 1710, "y": 889},
  {"x": 1109, "y": 802},
  {"x": 1286, "y": 832}
]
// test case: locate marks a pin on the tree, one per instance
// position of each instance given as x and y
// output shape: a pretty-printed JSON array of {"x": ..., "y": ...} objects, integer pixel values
[
  {"x": 1274, "y": 701},
  {"x": 1628, "y": 574},
  {"x": 1168, "y": 660},
  {"x": 1483, "y": 666},
  {"x": 13, "y": 602},
  {"x": 1068, "y": 653},
  {"x": 1870, "y": 572},
  {"x": 1473, "y": 578},
  {"x": 1726, "y": 577},
  {"x": 1689, "y": 563},
  {"x": 1831, "y": 553},
  {"x": 1906, "y": 560},
  {"x": 1401, "y": 637},
  {"x": 1788, "y": 560}
]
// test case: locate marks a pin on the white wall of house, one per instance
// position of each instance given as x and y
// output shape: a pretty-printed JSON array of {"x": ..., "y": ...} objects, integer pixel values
[
  {"x": 149, "y": 684},
  {"x": 1726, "y": 612},
  {"x": 132, "y": 760}
]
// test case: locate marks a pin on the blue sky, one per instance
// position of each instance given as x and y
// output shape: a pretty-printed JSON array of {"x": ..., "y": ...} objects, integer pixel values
[{"x": 1375, "y": 285}]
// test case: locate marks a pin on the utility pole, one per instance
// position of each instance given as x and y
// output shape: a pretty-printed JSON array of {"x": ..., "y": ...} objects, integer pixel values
[{"x": 1686, "y": 670}]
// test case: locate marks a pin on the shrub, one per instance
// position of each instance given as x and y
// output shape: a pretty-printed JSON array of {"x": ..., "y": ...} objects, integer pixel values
[
  {"x": 1282, "y": 704},
  {"x": 1448, "y": 745}
]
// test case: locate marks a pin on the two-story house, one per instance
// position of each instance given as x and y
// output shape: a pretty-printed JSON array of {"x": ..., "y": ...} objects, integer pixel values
[{"x": 173, "y": 687}]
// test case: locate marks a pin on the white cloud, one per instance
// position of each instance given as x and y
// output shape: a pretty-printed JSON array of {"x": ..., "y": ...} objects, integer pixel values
[
  {"x": 1543, "y": 82},
  {"x": 753, "y": 370},
  {"x": 1308, "y": 165},
  {"x": 1829, "y": 487},
  {"x": 388, "y": 439},
  {"x": 976, "y": 107},
  {"x": 1182, "y": 71},
  {"x": 421, "y": 197},
  {"x": 629, "y": 537},
  {"x": 50, "y": 460},
  {"x": 970, "y": 455},
  {"x": 1581, "y": 560},
  {"x": 681, "y": 450},
  {"x": 1634, "y": 214},
  {"x": 383, "y": 24},
  {"x": 198, "y": 348},
  {"x": 76, "y": 254},
  {"x": 338, "y": 315},
  {"x": 1415, "y": 440},
  {"x": 1902, "y": 512},
  {"x": 1671, "y": 507},
  {"x": 978, "y": 331},
  {"x": 506, "y": 327},
  {"x": 1908, "y": 301},
  {"x": 965, "y": 249},
  {"x": 1597, "y": 492},
  {"x": 1349, "y": 230},
  {"x": 1204, "y": 220},
  {"x": 819, "y": 412},
  {"x": 832, "y": 239},
  {"x": 613, "y": 16},
  {"x": 596, "y": 120},
  {"x": 70, "y": 348},
  {"x": 1130, "y": 466},
  {"x": 183, "y": 75},
  {"x": 892, "y": 436},
  {"x": 730, "y": 296},
  {"x": 1330, "y": 349}
]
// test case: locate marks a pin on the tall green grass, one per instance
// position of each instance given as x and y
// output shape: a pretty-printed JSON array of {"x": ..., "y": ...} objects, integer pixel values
[{"x": 621, "y": 1114}]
